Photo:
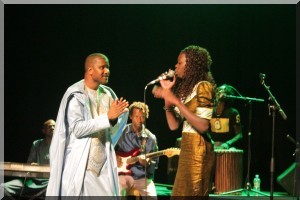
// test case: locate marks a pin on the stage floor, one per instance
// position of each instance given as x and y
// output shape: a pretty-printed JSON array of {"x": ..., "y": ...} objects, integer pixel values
[
  {"x": 164, "y": 193},
  {"x": 164, "y": 190}
]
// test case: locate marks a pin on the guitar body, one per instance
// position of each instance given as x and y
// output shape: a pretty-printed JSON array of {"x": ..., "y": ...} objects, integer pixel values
[
  {"x": 124, "y": 168},
  {"x": 131, "y": 157}
]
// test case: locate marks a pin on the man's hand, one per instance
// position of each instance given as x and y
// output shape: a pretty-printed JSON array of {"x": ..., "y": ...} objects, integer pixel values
[
  {"x": 33, "y": 163},
  {"x": 117, "y": 107},
  {"x": 225, "y": 146}
]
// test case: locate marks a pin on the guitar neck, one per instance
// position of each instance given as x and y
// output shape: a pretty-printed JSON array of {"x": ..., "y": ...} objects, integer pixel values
[
  {"x": 155, "y": 154},
  {"x": 167, "y": 152},
  {"x": 148, "y": 155}
]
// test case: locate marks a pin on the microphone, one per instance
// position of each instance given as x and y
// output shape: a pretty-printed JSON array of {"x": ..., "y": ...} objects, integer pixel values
[
  {"x": 163, "y": 76},
  {"x": 225, "y": 96},
  {"x": 221, "y": 95},
  {"x": 144, "y": 137},
  {"x": 262, "y": 77},
  {"x": 143, "y": 132},
  {"x": 291, "y": 139}
]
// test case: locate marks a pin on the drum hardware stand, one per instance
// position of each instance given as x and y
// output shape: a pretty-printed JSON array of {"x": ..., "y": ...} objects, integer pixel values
[
  {"x": 247, "y": 188},
  {"x": 273, "y": 106}
]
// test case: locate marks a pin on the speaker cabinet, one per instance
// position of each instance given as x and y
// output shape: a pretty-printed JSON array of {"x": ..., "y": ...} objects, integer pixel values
[{"x": 289, "y": 180}]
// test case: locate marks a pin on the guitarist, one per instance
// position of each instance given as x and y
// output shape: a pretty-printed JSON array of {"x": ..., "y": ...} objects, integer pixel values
[{"x": 137, "y": 140}]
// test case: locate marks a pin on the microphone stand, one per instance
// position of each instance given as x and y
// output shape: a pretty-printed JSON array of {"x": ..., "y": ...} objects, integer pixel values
[
  {"x": 247, "y": 183},
  {"x": 165, "y": 75},
  {"x": 249, "y": 99},
  {"x": 272, "y": 107},
  {"x": 146, "y": 179}
]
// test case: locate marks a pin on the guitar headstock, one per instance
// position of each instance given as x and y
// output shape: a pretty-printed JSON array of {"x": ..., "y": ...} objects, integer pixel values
[{"x": 171, "y": 152}]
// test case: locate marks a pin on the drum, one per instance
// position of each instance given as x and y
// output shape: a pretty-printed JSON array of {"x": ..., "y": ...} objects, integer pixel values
[{"x": 229, "y": 170}]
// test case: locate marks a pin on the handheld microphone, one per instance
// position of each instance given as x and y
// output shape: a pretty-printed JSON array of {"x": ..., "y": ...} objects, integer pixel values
[{"x": 163, "y": 76}]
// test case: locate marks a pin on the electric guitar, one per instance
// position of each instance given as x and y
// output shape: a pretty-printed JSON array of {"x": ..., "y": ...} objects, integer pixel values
[{"x": 133, "y": 156}]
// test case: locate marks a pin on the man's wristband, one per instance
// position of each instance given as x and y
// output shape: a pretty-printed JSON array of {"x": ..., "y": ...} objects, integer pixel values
[{"x": 169, "y": 109}]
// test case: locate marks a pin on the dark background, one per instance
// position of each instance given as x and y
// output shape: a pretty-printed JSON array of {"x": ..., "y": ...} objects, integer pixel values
[{"x": 45, "y": 47}]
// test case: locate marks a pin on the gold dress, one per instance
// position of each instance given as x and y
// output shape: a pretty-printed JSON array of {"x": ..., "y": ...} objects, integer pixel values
[{"x": 196, "y": 160}]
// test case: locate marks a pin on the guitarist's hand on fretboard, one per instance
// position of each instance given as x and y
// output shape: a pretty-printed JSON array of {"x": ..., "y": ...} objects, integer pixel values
[{"x": 143, "y": 161}]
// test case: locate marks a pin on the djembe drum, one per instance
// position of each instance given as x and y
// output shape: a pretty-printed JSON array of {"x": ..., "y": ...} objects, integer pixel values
[{"x": 229, "y": 170}]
